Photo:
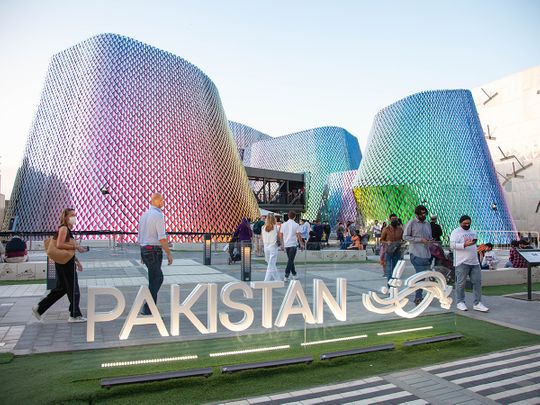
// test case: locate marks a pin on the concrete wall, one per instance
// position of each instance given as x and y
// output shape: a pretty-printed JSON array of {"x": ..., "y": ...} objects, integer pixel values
[{"x": 513, "y": 118}]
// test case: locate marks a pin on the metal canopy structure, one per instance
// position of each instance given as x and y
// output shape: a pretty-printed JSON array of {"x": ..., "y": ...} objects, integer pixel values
[{"x": 277, "y": 191}]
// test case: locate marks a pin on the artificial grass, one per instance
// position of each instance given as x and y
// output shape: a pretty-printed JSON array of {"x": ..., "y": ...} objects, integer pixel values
[
  {"x": 17, "y": 282},
  {"x": 508, "y": 289},
  {"x": 74, "y": 377}
]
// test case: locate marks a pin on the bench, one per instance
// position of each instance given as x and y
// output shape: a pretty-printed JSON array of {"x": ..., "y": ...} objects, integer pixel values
[
  {"x": 508, "y": 276},
  {"x": 23, "y": 271},
  {"x": 137, "y": 379},
  {"x": 266, "y": 364}
]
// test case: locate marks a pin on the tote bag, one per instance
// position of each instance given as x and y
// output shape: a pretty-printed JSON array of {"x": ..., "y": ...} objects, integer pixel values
[{"x": 60, "y": 256}]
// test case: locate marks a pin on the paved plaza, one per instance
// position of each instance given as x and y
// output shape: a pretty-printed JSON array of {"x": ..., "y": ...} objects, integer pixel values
[{"x": 504, "y": 377}]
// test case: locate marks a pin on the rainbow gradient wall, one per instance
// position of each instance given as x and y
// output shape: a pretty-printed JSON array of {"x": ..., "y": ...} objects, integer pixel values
[
  {"x": 316, "y": 152},
  {"x": 429, "y": 148},
  {"x": 124, "y": 115},
  {"x": 339, "y": 203}
]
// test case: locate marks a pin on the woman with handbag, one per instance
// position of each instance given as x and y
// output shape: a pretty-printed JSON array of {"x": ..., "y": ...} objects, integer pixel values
[{"x": 61, "y": 248}]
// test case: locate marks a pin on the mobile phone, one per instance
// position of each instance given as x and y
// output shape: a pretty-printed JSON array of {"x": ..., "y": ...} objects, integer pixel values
[
  {"x": 475, "y": 240},
  {"x": 87, "y": 248}
]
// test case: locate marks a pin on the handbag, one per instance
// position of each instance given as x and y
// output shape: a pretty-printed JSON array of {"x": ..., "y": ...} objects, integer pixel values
[{"x": 60, "y": 256}]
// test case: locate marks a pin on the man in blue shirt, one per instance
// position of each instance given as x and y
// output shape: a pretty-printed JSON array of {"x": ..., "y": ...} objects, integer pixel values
[{"x": 153, "y": 241}]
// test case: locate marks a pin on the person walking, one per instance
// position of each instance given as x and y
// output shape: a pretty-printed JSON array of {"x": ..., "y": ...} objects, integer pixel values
[
  {"x": 153, "y": 241},
  {"x": 270, "y": 238},
  {"x": 391, "y": 239},
  {"x": 242, "y": 234},
  {"x": 257, "y": 229},
  {"x": 66, "y": 273},
  {"x": 305, "y": 228},
  {"x": 376, "y": 231},
  {"x": 290, "y": 237},
  {"x": 463, "y": 243},
  {"x": 418, "y": 233},
  {"x": 340, "y": 232}
]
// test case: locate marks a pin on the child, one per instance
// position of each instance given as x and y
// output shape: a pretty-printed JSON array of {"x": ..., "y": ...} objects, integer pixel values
[{"x": 490, "y": 258}]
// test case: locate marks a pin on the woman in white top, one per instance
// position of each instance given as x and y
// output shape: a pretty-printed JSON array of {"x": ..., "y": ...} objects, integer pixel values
[{"x": 270, "y": 237}]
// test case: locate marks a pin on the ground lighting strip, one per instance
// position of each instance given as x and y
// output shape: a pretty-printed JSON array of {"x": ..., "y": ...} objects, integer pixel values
[
  {"x": 318, "y": 342},
  {"x": 395, "y": 332},
  {"x": 259, "y": 350},
  {"x": 148, "y": 361},
  {"x": 262, "y": 349}
]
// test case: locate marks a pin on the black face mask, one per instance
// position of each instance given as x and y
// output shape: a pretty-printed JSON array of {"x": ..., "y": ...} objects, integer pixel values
[
  {"x": 394, "y": 223},
  {"x": 466, "y": 227}
]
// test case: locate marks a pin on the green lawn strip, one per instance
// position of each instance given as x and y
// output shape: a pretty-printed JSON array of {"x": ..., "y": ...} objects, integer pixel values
[
  {"x": 508, "y": 289},
  {"x": 16, "y": 282},
  {"x": 63, "y": 377}
]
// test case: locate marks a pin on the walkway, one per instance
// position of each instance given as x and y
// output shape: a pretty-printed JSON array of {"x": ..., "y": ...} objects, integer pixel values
[{"x": 508, "y": 377}]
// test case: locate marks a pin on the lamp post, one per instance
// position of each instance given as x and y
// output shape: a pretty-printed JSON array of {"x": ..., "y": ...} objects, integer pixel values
[
  {"x": 246, "y": 260},
  {"x": 207, "y": 251},
  {"x": 105, "y": 191}
]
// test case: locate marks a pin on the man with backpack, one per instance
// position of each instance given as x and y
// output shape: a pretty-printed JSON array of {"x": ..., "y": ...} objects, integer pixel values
[{"x": 257, "y": 231}]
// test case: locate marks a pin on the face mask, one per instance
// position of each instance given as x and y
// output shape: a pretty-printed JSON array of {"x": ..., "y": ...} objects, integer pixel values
[
  {"x": 72, "y": 220},
  {"x": 466, "y": 227},
  {"x": 394, "y": 223}
]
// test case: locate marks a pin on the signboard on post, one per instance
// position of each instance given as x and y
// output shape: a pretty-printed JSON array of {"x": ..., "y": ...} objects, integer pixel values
[{"x": 532, "y": 256}]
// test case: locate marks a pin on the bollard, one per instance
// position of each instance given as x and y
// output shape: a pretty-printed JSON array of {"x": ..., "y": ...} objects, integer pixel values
[
  {"x": 207, "y": 250},
  {"x": 246, "y": 261}
]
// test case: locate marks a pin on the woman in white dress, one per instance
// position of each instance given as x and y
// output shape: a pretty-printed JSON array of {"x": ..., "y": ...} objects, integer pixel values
[{"x": 270, "y": 238}]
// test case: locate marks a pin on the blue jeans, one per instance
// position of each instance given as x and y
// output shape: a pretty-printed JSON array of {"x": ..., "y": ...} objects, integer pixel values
[
  {"x": 152, "y": 256},
  {"x": 475, "y": 274},
  {"x": 391, "y": 261},
  {"x": 291, "y": 254},
  {"x": 420, "y": 264}
]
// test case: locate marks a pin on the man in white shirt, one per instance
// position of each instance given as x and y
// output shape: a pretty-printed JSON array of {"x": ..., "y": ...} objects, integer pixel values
[
  {"x": 153, "y": 241},
  {"x": 290, "y": 236},
  {"x": 463, "y": 243}
]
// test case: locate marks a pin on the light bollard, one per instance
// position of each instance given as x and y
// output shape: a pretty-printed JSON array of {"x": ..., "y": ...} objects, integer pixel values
[
  {"x": 245, "y": 267},
  {"x": 207, "y": 251}
]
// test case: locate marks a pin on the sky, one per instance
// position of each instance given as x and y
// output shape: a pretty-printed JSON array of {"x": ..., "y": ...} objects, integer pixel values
[{"x": 279, "y": 66}]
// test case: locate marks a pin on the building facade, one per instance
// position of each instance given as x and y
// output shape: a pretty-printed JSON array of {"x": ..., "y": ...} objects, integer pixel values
[
  {"x": 316, "y": 152},
  {"x": 117, "y": 121},
  {"x": 429, "y": 149},
  {"x": 509, "y": 110}
]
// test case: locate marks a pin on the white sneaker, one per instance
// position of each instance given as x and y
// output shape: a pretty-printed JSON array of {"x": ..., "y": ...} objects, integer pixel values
[
  {"x": 294, "y": 277},
  {"x": 481, "y": 307},
  {"x": 286, "y": 279},
  {"x": 461, "y": 306},
  {"x": 77, "y": 319},
  {"x": 36, "y": 313}
]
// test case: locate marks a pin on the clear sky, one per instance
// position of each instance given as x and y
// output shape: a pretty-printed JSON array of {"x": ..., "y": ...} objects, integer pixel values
[{"x": 280, "y": 66}]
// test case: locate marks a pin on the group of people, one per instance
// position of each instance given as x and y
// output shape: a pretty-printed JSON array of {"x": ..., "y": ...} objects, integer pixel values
[
  {"x": 422, "y": 237},
  {"x": 152, "y": 240},
  {"x": 290, "y": 235},
  {"x": 269, "y": 234}
]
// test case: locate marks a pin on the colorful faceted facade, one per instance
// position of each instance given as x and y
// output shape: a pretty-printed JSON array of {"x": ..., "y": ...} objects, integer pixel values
[
  {"x": 429, "y": 149},
  {"x": 339, "y": 203},
  {"x": 244, "y": 136},
  {"x": 316, "y": 152},
  {"x": 124, "y": 117}
]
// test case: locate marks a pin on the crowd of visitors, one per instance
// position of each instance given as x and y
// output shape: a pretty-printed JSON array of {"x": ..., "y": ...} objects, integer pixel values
[{"x": 268, "y": 235}]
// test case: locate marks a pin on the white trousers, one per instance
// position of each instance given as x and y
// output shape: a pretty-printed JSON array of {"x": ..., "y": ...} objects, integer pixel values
[{"x": 270, "y": 255}]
